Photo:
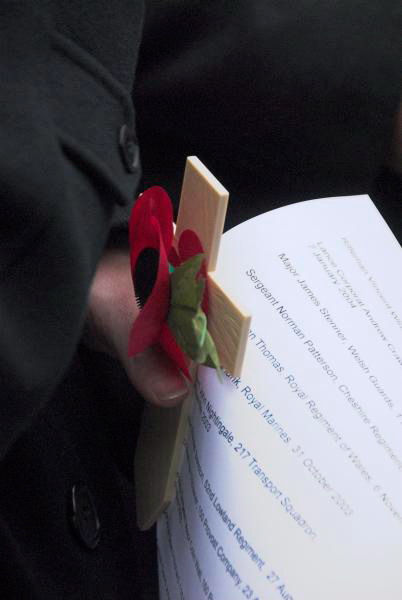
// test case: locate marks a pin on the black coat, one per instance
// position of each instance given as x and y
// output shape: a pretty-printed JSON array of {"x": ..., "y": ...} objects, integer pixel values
[
  {"x": 67, "y": 419},
  {"x": 283, "y": 101}
]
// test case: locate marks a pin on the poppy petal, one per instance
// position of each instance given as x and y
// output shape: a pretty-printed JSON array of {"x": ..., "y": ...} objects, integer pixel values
[
  {"x": 190, "y": 245},
  {"x": 148, "y": 324},
  {"x": 173, "y": 350},
  {"x": 173, "y": 257},
  {"x": 154, "y": 203}
]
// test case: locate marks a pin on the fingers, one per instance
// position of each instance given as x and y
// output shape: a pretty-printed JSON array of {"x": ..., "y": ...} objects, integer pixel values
[
  {"x": 112, "y": 310},
  {"x": 156, "y": 378}
]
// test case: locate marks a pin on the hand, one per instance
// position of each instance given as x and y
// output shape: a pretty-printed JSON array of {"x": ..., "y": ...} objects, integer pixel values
[{"x": 112, "y": 310}]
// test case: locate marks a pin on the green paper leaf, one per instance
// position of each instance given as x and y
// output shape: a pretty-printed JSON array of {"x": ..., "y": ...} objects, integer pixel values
[
  {"x": 186, "y": 318},
  {"x": 212, "y": 359},
  {"x": 189, "y": 330},
  {"x": 186, "y": 291}
]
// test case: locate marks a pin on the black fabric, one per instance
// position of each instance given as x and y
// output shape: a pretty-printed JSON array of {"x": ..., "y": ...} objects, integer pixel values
[
  {"x": 66, "y": 417},
  {"x": 61, "y": 179},
  {"x": 87, "y": 433},
  {"x": 282, "y": 100},
  {"x": 386, "y": 192}
]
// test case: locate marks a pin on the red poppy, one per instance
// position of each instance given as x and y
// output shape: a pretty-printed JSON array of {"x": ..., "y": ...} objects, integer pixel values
[{"x": 151, "y": 239}]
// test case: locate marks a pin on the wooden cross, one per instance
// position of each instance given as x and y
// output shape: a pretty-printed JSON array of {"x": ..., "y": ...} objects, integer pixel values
[{"x": 203, "y": 205}]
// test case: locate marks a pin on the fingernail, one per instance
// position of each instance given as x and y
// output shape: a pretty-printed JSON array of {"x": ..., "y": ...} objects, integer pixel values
[{"x": 170, "y": 397}]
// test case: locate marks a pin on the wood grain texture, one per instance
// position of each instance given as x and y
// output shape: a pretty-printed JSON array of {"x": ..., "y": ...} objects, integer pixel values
[
  {"x": 159, "y": 452},
  {"x": 229, "y": 326},
  {"x": 158, "y": 459},
  {"x": 203, "y": 204}
]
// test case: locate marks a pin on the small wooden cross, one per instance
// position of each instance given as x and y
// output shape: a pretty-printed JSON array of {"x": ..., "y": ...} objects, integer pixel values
[{"x": 203, "y": 205}]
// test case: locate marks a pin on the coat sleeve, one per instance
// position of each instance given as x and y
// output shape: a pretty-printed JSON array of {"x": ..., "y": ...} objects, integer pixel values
[
  {"x": 64, "y": 182},
  {"x": 282, "y": 100}
]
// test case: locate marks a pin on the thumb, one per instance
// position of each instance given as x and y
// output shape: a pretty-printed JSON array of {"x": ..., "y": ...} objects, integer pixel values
[
  {"x": 156, "y": 377},
  {"x": 112, "y": 311}
]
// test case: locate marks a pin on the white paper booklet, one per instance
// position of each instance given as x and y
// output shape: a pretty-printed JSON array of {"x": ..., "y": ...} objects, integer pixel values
[{"x": 291, "y": 485}]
